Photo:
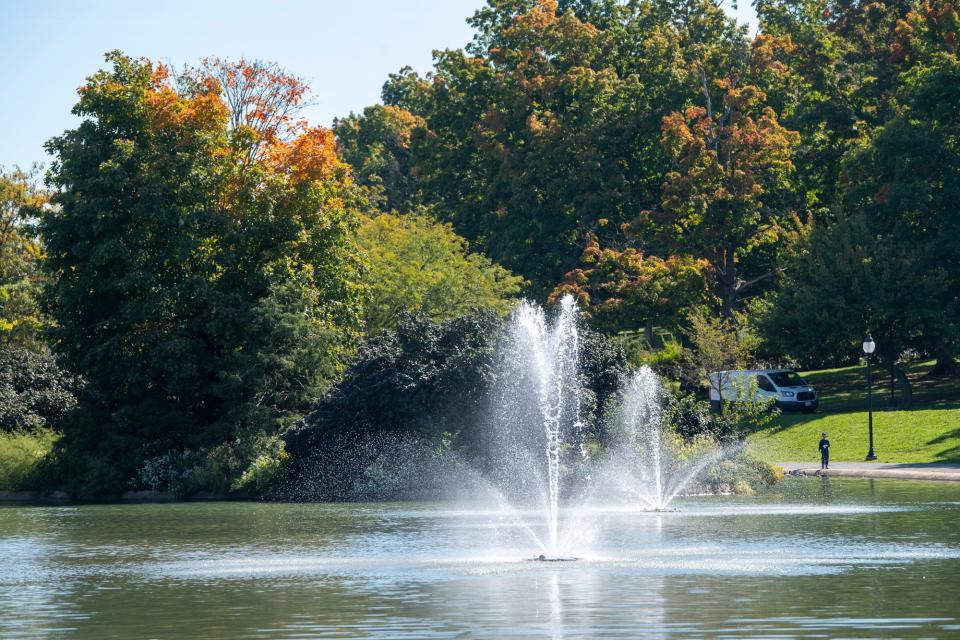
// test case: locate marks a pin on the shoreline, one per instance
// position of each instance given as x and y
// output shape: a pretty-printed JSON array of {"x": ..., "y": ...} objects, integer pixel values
[
  {"x": 935, "y": 471},
  {"x": 60, "y": 498},
  {"x": 938, "y": 471}
]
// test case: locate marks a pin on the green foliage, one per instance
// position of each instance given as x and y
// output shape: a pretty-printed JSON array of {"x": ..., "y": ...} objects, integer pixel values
[
  {"x": 21, "y": 280},
  {"x": 546, "y": 128},
  {"x": 691, "y": 418},
  {"x": 668, "y": 360},
  {"x": 418, "y": 266},
  {"x": 202, "y": 276},
  {"x": 425, "y": 377},
  {"x": 729, "y": 155},
  {"x": 377, "y": 145},
  {"x": 743, "y": 475},
  {"x": 838, "y": 83},
  {"x": 735, "y": 472},
  {"x": 717, "y": 344},
  {"x": 183, "y": 473},
  {"x": 877, "y": 101},
  {"x": 35, "y": 393},
  {"x": 261, "y": 472},
  {"x": 848, "y": 281},
  {"x": 20, "y": 455}
]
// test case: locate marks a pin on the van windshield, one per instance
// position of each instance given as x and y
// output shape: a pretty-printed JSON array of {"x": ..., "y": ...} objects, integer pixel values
[{"x": 787, "y": 379}]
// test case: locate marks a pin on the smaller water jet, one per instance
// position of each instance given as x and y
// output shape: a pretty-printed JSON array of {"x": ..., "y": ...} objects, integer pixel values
[{"x": 646, "y": 464}]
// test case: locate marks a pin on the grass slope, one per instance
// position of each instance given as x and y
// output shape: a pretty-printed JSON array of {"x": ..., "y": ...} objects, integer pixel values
[{"x": 928, "y": 432}]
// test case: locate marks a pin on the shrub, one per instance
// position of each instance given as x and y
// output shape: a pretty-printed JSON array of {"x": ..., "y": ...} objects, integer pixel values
[
  {"x": 20, "y": 456},
  {"x": 184, "y": 473},
  {"x": 743, "y": 474},
  {"x": 35, "y": 392},
  {"x": 667, "y": 361},
  {"x": 262, "y": 470}
]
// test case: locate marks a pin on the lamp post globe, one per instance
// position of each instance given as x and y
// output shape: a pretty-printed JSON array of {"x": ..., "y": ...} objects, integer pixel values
[{"x": 869, "y": 346}]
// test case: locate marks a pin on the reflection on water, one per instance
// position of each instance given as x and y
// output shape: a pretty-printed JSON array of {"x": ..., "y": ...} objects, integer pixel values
[{"x": 848, "y": 558}]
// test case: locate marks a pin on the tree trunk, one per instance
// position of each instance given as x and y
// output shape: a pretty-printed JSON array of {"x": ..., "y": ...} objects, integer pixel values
[
  {"x": 906, "y": 391},
  {"x": 946, "y": 360},
  {"x": 728, "y": 284}
]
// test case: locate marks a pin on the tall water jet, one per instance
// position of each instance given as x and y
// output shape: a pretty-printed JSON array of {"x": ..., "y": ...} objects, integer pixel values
[{"x": 538, "y": 412}]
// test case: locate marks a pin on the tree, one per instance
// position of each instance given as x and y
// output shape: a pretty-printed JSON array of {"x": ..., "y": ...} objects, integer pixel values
[
  {"x": 21, "y": 205},
  {"x": 199, "y": 255},
  {"x": 730, "y": 153},
  {"x": 905, "y": 184},
  {"x": 418, "y": 266},
  {"x": 718, "y": 345},
  {"x": 628, "y": 291},
  {"x": 377, "y": 145},
  {"x": 884, "y": 259},
  {"x": 547, "y": 125},
  {"x": 425, "y": 377},
  {"x": 848, "y": 280},
  {"x": 838, "y": 85}
]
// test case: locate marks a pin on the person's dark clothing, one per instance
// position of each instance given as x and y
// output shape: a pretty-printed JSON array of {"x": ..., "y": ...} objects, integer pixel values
[{"x": 824, "y": 453}]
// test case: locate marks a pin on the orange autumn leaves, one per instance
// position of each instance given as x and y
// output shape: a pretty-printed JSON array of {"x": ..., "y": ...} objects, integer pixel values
[
  {"x": 626, "y": 288},
  {"x": 248, "y": 111},
  {"x": 186, "y": 116}
]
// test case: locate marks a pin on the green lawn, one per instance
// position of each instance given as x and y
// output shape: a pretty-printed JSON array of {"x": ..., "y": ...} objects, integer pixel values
[{"x": 928, "y": 432}]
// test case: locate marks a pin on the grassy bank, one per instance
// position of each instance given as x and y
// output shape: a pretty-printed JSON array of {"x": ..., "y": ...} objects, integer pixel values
[
  {"x": 20, "y": 452},
  {"x": 928, "y": 432}
]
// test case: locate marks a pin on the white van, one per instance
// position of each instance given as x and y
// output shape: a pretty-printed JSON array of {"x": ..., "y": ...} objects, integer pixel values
[{"x": 785, "y": 386}]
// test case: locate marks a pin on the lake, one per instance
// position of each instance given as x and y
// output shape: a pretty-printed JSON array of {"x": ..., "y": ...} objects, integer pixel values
[{"x": 813, "y": 558}]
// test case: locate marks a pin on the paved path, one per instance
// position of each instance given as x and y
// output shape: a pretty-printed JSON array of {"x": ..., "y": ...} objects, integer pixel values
[{"x": 903, "y": 471}]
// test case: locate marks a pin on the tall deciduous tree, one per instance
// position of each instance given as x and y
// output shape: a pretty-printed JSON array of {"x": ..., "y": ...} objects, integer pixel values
[
  {"x": 888, "y": 261},
  {"x": 204, "y": 283},
  {"x": 419, "y": 266},
  {"x": 376, "y": 144},
  {"x": 548, "y": 122},
  {"x": 730, "y": 154}
]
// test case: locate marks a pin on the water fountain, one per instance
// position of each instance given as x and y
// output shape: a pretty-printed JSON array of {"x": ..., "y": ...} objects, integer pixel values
[
  {"x": 537, "y": 417},
  {"x": 537, "y": 467}
]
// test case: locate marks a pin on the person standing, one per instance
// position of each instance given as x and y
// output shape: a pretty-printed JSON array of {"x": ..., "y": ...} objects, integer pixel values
[{"x": 824, "y": 451}]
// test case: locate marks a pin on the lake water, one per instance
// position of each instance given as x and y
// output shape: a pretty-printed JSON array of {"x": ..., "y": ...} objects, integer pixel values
[{"x": 813, "y": 559}]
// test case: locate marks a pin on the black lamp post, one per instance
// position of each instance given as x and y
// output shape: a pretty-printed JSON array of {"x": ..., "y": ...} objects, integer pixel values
[{"x": 868, "y": 348}]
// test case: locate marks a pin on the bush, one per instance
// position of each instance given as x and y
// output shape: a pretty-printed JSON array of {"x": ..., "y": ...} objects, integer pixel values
[
  {"x": 262, "y": 470},
  {"x": 184, "y": 473},
  {"x": 742, "y": 475},
  {"x": 691, "y": 417},
  {"x": 667, "y": 361},
  {"x": 20, "y": 455},
  {"x": 35, "y": 392}
]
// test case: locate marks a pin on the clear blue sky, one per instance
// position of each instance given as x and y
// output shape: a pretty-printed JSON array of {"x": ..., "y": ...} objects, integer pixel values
[{"x": 343, "y": 49}]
